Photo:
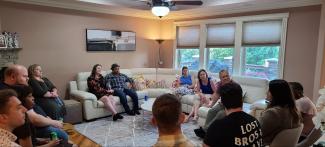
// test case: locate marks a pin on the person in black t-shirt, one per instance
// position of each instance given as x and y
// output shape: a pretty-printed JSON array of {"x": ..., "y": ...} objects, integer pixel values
[{"x": 237, "y": 128}]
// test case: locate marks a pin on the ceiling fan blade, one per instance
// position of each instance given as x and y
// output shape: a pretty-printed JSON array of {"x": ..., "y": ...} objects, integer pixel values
[{"x": 187, "y": 2}]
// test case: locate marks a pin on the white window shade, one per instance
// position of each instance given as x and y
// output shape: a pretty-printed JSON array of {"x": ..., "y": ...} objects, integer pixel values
[
  {"x": 221, "y": 35},
  {"x": 188, "y": 37},
  {"x": 262, "y": 32}
]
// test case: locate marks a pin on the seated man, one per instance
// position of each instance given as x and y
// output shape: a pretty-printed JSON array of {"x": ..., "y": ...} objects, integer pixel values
[
  {"x": 12, "y": 115},
  {"x": 217, "y": 111},
  {"x": 168, "y": 117},
  {"x": 118, "y": 82},
  {"x": 237, "y": 128}
]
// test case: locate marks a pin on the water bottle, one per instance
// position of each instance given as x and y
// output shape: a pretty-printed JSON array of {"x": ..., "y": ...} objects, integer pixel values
[{"x": 145, "y": 98}]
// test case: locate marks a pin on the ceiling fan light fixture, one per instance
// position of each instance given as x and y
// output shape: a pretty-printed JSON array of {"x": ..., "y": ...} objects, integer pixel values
[{"x": 160, "y": 11}]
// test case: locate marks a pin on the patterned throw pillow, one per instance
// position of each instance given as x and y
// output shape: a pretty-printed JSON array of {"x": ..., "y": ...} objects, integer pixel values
[
  {"x": 140, "y": 82},
  {"x": 161, "y": 84},
  {"x": 156, "y": 84},
  {"x": 151, "y": 83}
]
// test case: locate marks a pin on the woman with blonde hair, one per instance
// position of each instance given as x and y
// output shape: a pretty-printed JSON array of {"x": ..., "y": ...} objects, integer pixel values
[{"x": 45, "y": 93}]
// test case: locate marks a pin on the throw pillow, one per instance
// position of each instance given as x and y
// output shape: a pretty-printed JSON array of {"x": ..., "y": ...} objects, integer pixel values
[
  {"x": 156, "y": 84},
  {"x": 161, "y": 84},
  {"x": 139, "y": 82},
  {"x": 151, "y": 84}
]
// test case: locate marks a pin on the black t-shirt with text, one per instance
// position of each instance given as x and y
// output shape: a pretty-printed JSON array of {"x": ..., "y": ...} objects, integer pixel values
[{"x": 237, "y": 129}]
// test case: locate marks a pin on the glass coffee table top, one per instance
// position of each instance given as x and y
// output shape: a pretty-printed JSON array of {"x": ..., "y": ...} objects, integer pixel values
[{"x": 147, "y": 105}]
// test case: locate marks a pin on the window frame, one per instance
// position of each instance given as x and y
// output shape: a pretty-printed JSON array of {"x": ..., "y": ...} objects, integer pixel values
[{"x": 238, "y": 47}]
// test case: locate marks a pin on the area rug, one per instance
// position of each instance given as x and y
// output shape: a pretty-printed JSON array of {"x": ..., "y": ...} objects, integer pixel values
[{"x": 130, "y": 131}]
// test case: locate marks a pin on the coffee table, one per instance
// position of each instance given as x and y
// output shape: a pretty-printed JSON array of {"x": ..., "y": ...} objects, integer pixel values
[{"x": 147, "y": 105}]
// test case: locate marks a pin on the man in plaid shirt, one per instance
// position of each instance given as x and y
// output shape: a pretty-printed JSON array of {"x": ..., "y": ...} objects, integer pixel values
[{"x": 118, "y": 82}]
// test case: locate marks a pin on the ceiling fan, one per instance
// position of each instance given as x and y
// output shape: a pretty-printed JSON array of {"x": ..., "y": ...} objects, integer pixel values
[{"x": 161, "y": 8}]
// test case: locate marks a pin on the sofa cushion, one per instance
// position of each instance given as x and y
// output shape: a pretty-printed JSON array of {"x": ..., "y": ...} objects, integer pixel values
[
  {"x": 155, "y": 92},
  {"x": 82, "y": 85},
  {"x": 189, "y": 99},
  {"x": 255, "y": 88}
]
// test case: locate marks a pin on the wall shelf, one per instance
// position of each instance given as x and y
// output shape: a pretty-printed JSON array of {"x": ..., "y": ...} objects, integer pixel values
[{"x": 10, "y": 49}]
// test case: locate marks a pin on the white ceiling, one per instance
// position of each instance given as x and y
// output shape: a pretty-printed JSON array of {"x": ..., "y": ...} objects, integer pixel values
[{"x": 139, "y": 8}]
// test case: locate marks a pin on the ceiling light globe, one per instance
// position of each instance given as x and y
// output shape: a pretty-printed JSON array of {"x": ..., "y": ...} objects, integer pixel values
[{"x": 160, "y": 11}]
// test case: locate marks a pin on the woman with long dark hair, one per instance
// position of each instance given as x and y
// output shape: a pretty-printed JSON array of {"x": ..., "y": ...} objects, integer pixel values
[
  {"x": 206, "y": 90},
  {"x": 96, "y": 85},
  {"x": 281, "y": 112}
]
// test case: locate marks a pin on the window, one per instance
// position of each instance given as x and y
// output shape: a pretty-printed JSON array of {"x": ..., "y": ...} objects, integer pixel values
[
  {"x": 261, "y": 61},
  {"x": 218, "y": 37},
  {"x": 247, "y": 46},
  {"x": 261, "y": 52},
  {"x": 220, "y": 58},
  {"x": 188, "y": 42},
  {"x": 189, "y": 58}
]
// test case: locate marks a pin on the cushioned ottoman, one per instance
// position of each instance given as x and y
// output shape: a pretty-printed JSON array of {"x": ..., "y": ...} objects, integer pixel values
[{"x": 74, "y": 112}]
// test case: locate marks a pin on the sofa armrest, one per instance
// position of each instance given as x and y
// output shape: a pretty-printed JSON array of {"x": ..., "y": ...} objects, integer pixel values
[
  {"x": 257, "y": 108},
  {"x": 82, "y": 96},
  {"x": 259, "y": 105}
]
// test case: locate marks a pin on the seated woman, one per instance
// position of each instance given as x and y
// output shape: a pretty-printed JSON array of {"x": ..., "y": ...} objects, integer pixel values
[
  {"x": 184, "y": 84},
  {"x": 206, "y": 90},
  {"x": 96, "y": 85},
  {"x": 45, "y": 93},
  {"x": 306, "y": 108},
  {"x": 40, "y": 126},
  {"x": 281, "y": 113}
]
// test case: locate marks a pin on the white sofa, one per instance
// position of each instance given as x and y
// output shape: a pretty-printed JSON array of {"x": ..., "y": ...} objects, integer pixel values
[
  {"x": 254, "y": 91},
  {"x": 92, "y": 108}
]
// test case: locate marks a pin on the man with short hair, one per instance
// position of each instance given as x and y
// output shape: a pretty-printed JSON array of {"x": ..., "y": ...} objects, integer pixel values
[
  {"x": 237, "y": 128},
  {"x": 168, "y": 117},
  {"x": 217, "y": 111},
  {"x": 12, "y": 115},
  {"x": 14, "y": 75},
  {"x": 118, "y": 82}
]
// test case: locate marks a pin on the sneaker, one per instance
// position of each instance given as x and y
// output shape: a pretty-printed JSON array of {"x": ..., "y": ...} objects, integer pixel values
[
  {"x": 199, "y": 132},
  {"x": 130, "y": 113},
  {"x": 119, "y": 116},
  {"x": 137, "y": 112},
  {"x": 115, "y": 117}
]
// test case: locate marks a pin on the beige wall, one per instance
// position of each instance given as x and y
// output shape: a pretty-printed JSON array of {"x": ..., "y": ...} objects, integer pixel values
[
  {"x": 301, "y": 45},
  {"x": 322, "y": 83},
  {"x": 55, "y": 38},
  {"x": 301, "y": 48}
]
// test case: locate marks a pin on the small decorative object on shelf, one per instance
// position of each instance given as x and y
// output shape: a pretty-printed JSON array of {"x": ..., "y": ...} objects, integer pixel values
[
  {"x": 9, "y": 40},
  {"x": 3, "y": 41}
]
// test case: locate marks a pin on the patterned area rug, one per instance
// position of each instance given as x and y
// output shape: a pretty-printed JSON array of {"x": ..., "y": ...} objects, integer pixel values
[{"x": 130, "y": 131}]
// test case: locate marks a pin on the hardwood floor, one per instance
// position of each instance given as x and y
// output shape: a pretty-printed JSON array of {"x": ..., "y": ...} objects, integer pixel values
[{"x": 77, "y": 138}]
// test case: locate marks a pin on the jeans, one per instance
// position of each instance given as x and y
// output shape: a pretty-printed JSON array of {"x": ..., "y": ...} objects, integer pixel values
[
  {"x": 45, "y": 132},
  {"x": 122, "y": 95},
  {"x": 215, "y": 113}
]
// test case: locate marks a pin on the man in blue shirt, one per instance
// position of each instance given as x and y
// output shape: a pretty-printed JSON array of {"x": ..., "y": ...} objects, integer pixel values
[{"x": 118, "y": 82}]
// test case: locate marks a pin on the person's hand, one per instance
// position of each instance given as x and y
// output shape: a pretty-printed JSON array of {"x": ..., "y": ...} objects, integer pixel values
[
  {"x": 110, "y": 91},
  {"x": 57, "y": 124},
  {"x": 52, "y": 143},
  {"x": 55, "y": 94}
]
